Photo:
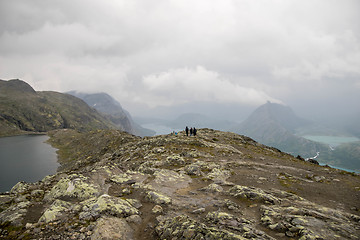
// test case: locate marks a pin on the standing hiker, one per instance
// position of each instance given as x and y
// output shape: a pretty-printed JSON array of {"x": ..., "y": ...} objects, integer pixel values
[
  {"x": 187, "y": 131},
  {"x": 194, "y": 131},
  {"x": 191, "y": 131}
]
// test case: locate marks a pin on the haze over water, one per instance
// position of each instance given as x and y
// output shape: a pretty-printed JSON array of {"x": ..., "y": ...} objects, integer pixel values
[{"x": 25, "y": 158}]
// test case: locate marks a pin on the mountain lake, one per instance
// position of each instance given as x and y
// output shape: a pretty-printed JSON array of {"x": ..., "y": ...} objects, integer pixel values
[
  {"x": 25, "y": 158},
  {"x": 332, "y": 141},
  {"x": 160, "y": 129}
]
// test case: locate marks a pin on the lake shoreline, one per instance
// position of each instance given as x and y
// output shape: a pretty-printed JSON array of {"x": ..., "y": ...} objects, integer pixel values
[
  {"x": 26, "y": 157},
  {"x": 23, "y": 133}
]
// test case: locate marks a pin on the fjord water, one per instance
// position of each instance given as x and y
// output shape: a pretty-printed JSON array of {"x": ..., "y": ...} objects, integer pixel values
[
  {"x": 332, "y": 141},
  {"x": 25, "y": 158}
]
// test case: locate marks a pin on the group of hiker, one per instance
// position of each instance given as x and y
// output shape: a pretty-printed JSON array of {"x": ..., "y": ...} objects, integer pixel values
[{"x": 192, "y": 131}]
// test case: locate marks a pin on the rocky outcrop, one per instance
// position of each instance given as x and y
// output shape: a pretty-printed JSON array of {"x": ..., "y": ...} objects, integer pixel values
[{"x": 213, "y": 186}]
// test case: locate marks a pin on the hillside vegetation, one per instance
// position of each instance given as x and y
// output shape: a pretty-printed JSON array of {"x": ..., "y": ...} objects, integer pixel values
[{"x": 23, "y": 110}]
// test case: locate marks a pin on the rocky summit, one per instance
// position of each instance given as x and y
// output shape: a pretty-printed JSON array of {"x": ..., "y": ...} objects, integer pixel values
[{"x": 216, "y": 185}]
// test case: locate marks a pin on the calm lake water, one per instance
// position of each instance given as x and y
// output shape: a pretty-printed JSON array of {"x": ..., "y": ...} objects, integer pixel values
[
  {"x": 333, "y": 141},
  {"x": 160, "y": 129},
  {"x": 25, "y": 158}
]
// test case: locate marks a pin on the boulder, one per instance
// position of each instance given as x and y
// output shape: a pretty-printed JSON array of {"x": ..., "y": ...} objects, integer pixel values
[
  {"x": 20, "y": 187},
  {"x": 55, "y": 211},
  {"x": 75, "y": 186},
  {"x": 158, "y": 198},
  {"x": 175, "y": 160},
  {"x": 193, "y": 169},
  {"x": 213, "y": 187},
  {"x": 111, "y": 228},
  {"x": 313, "y": 161},
  {"x": 253, "y": 193},
  {"x": 106, "y": 205},
  {"x": 15, "y": 213}
]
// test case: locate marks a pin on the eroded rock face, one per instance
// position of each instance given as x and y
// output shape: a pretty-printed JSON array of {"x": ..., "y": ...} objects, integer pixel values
[{"x": 213, "y": 186}]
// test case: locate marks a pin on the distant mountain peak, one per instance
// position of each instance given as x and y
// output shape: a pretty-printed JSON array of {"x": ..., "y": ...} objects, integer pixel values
[
  {"x": 103, "y": 102},
  {"x": 275, "y": 125},
  {"x": 112, "y": 109},
  {"x": 280, "y": 114}
]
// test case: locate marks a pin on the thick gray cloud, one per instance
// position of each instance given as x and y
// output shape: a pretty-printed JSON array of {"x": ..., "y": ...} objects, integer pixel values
[{"x": 163, "y": 53}]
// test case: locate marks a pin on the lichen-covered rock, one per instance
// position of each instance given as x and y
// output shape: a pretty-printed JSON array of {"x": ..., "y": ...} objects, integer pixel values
[
  {"x": 213, "y": 187},
  {"x": 75, "y": 186},
  {"x": 219, "y": 175},
  {"x": 159, "y": 150},
  {"x": 112, "y": 228},
  {"x": 20, "y": 187},
  {"x": 175, "y": 160},
  {"x": 168, "y": 181},
  {"x": 147, "y": 167},
  {"x": 106, "y": 205},
  {"x": 242, "y": 226},
  {"x": 216, "y": 217},
  {"x": 55, "y": 211},
  {"x": 134, "y": 202},
  {"x": 158, "y": 198},
  {"x": 231, "y": 205},
  {"x": 253, "y": 193},
  {"x": 198, "y": 167},
  {"x": 183, "y": 227},
  {"x": 48, "y": 179},
  {"x": 37, "y": 194},
  {"x": 310, "y": 221},
  {"x": 193, "y": 169},
  {"x": 134, "y": 219},
  {"x": 157, "y": 209},
  {"x": 15, "y": 213},
  {"x": 120, "y": 178}
]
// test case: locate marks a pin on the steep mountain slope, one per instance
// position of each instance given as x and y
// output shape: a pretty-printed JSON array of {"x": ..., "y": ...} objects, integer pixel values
[
  {"x": 275, "y": 125},
  {"x": 216, "y": 185},
  {"x": 113, "y": 111},
  {"x": 22, "y": 109}
]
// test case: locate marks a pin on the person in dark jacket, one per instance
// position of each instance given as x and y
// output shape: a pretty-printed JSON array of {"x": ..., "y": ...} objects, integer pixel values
[
  {"x": 194, "y": 131},
  {"x": 187, "y": 131},
  {"x": 191, "y": 131}
]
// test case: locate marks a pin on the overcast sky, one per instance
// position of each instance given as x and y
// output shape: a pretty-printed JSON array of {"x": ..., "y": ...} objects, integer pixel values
[{"x": 152, "y": 54}]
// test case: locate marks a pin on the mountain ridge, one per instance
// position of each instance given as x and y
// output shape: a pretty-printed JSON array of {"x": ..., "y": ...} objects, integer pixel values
[
  {"x": 217, "y": 185},
  {"x": 24, "y": 110}
]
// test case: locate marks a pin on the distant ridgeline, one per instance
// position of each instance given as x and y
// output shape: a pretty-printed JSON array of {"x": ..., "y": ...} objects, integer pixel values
[
  {"x": 278, "y": 126},
  {"x": 112, "y": 111},
  {"x": 24, "y": 110}
]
